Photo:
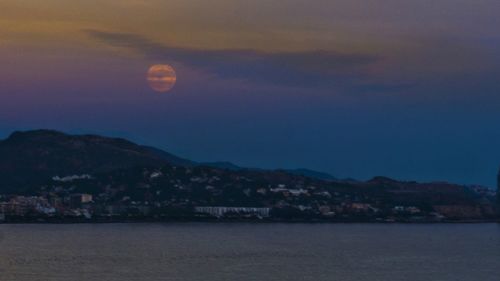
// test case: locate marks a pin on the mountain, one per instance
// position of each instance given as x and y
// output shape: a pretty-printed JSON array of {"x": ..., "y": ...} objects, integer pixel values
[
  {"x": 312, "y": 174},
  {"x": 170, "y": 158},
  {"x": 27, "y": 157},
  {"x": 119, "y": 169},
  {"x": 223, "y": 165}
]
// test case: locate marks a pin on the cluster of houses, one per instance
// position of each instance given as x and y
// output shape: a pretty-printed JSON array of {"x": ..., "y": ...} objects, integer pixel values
[{"x": 194, "y": 194}]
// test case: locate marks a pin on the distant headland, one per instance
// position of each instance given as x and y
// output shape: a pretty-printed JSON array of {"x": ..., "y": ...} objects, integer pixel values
[{"x": 50, "y": 176}]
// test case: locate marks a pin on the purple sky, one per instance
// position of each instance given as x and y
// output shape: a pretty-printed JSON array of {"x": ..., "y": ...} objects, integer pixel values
[{"x": 406, "y": 89}]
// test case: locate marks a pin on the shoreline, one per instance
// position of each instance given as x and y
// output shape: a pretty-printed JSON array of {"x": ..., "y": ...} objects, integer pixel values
[{"x": 236, "y": 221}]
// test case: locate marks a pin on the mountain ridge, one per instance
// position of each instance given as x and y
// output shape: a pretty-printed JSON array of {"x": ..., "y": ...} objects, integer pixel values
[
  {"x": 119, "y": 174},
  {"x": 55, "y": 153},
  {"x": 45, "y": 153}
]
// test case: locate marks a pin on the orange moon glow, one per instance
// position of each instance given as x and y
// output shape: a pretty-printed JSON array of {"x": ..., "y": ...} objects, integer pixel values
[{"x": 161, "y": 77}]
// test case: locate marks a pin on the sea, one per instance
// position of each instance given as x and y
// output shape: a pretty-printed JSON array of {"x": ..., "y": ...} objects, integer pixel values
[{"x": 249, "y": 251}]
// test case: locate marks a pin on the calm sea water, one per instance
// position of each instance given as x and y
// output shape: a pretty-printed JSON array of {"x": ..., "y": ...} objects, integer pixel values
[{"x": 210, "y": 252}]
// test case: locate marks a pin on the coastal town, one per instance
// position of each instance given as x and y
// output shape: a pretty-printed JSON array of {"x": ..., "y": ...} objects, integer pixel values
[
  {"x": 173, "y": 193},
  {"x": 49, "y": 176}
]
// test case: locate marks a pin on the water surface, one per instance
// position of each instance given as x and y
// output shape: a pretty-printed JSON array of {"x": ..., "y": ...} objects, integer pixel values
[{"x": 214, "y": 252}]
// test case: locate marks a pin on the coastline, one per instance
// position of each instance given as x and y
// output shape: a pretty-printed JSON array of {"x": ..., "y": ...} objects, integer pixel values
[{"x": 249, "y": 221}]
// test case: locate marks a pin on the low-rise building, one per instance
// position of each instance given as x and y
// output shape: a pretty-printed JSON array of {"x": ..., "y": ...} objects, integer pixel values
[{"x": 221, "y": 211}]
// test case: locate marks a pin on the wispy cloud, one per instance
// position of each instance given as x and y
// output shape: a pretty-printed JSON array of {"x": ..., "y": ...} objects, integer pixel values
[{"x": 307, "y": 68}]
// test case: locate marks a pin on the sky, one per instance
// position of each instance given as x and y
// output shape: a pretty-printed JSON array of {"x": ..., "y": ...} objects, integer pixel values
[{"x": 408, "y": 89}]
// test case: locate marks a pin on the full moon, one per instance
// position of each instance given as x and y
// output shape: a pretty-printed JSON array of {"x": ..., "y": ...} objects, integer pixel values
[{"x": 161, "y": 77}]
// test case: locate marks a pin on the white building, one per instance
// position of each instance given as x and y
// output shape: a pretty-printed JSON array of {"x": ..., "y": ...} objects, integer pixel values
[{"x": 221, "y": 211}]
